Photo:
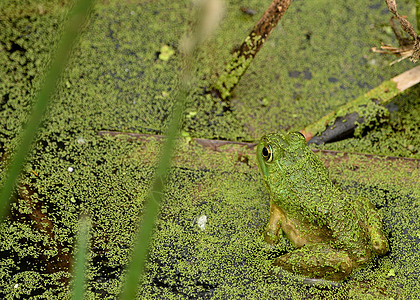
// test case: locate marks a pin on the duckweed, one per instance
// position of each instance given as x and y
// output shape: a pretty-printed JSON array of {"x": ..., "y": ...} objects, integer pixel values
[{"x": 116, "y": 81}]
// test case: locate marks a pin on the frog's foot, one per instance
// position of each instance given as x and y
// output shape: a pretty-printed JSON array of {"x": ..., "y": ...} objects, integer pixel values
[
  {"x": 271, "y": 237},
  {"x": 273, "y": 230},
  {"x": 317, "y": 261}
]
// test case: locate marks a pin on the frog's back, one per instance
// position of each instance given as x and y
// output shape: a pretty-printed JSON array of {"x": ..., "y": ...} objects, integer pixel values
[
  {"x": 323, "y": 203},
  {"x": 308, "y": 182}
]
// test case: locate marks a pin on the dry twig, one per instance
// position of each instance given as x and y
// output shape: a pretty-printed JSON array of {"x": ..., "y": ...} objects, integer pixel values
[{"x": 408, "y": 48}]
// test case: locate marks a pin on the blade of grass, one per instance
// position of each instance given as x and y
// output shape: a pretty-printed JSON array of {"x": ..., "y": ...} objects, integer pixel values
[
  {"x": 77, "y": 17},
  {"x": 208, "y": 16},
  {"x": 80, "y": 258},
  {"x": 152, "y": 203},
  {"x": 154, "y": 198},
  {"x": 418, "y": 15}
]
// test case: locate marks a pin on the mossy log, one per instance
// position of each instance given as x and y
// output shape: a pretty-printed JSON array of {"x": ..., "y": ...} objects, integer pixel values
[{"x": 362, "y": 114}]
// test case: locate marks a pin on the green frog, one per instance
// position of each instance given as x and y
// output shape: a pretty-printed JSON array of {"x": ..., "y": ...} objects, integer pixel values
[{"x": 333, "y": 232}]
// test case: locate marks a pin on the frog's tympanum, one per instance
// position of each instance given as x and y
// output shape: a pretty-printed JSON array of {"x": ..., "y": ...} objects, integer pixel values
[{"x": 333, "y": 232}]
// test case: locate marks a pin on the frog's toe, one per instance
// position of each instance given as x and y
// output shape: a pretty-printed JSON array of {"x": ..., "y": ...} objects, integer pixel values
[
  {"x": 271, "y": 238},
  {"x": 321, "y": 282},
  {"x": 380, "y": 245}
]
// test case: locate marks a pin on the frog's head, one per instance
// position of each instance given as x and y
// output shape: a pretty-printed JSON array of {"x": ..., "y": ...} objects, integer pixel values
[{"x": 276, "y": 151}]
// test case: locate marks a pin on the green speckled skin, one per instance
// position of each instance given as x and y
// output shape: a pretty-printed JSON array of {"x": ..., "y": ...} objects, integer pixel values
[{"x": 333, "y": 232}]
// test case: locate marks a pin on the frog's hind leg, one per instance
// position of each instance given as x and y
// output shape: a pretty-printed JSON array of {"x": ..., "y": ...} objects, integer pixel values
[{"x": 317, "y": 261}]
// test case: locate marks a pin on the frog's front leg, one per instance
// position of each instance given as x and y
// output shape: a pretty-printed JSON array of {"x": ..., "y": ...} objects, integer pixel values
[
  {"x": 273, "y": 228},
  {"x": 317, "y": 261}
]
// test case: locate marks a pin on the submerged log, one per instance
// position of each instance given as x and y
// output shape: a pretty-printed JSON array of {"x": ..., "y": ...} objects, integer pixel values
[{"x": 243, "y": 57}]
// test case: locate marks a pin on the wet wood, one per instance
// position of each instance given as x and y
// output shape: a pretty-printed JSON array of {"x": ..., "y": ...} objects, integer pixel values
[
  {"x": 343, "y": 125},
  {"x": 407, "y": 79}
]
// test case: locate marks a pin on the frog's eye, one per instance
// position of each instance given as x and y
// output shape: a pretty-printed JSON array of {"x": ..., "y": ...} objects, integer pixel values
[{"x": 267, "y": 153}]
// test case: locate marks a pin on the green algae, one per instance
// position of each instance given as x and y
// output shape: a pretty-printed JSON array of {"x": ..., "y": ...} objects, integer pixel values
[
  {"x": 329, "y": 76},
  {"x": 232, "y": 244},
  {"x": 76, "y": 18},
  {"x": 228, "y": 258},
  {"x": 166, "y": 52},
  {"x": 117, "y": 82}
]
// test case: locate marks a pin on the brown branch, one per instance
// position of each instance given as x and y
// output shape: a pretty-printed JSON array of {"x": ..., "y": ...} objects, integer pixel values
[
  {"x": 243, "y": 57},
  {"x": 43, "y": 223},
  {"x": 249, "y": 148}
]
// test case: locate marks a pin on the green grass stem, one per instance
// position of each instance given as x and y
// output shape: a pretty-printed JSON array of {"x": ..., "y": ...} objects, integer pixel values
[
  {"x": 208, "y": 14},
  {"x": 76, "y": 18},
  {"x": 80, "y": 259},
  {"x": 135, "y": 269},
  {"x": 418, "y": 15},
  {"x": 153, "y": 200}
]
